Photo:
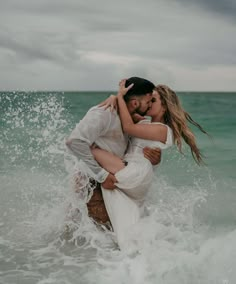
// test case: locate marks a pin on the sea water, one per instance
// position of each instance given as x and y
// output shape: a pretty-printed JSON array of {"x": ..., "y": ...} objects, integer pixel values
[{"x": 188, "y": 236}]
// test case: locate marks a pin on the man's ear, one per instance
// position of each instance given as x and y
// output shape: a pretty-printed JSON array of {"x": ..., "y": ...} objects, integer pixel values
[{"x": 134, "y": 103}]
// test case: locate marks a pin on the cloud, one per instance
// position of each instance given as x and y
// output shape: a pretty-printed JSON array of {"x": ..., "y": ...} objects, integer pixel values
[
  {"x": 226, "y": 8},
  {"x": 83, "y": 41}
]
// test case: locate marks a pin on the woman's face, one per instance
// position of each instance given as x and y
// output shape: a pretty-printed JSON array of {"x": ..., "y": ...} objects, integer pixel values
[{"x": 156, "y": 109}]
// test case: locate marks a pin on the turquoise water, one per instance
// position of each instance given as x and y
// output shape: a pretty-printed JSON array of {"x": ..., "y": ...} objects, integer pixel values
[{"x": 189, "y": 236}]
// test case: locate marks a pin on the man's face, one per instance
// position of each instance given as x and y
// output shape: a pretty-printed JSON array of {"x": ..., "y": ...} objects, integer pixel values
[{"x": 144, "y": 104}]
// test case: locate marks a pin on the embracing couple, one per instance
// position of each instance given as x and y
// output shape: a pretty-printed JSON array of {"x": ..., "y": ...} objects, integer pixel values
[{"x": 119, "y": 148}]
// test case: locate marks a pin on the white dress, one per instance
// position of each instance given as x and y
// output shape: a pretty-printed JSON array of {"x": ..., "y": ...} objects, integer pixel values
[{"x": 124, "y": 203}]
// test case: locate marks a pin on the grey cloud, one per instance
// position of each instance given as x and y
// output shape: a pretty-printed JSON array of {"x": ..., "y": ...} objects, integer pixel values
[
  {"x": 28, "y": 51},
  {"x": 75, "y": 40},
  {"x": 226, "y": 8},
  {"x": 202, "y": 54},
  {"x": 24, "y": 47},
  {"x": 90, "y": 15}
]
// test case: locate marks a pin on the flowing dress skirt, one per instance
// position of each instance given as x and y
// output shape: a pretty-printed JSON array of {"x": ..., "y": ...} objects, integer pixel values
[{"x": 124, "y": 204}]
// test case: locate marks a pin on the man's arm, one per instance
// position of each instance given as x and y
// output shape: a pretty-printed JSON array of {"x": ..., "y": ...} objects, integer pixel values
[
  {"x": 81, "y": 150},
  {"x": 94, "y": 124}
]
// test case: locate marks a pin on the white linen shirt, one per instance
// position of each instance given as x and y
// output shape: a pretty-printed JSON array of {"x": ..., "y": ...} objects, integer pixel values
[{"x": 103, "y": 128}]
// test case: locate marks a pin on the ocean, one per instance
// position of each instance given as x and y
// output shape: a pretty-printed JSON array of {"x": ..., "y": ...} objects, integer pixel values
[{"x": 188, "y": 237}]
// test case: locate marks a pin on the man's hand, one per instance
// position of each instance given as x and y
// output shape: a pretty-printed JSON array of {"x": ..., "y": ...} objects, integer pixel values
[
  {"x": 137, "y": 117},
  {"x": 109, "y": 182},
  {"x": 153, "y": 155}
]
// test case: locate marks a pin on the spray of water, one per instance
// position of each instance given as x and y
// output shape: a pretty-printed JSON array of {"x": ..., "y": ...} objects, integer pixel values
[{"x": 47, "y": 237}]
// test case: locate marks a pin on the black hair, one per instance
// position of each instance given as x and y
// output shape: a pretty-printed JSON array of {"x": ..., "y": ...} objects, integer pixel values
[{"x": 141, "y": 87}]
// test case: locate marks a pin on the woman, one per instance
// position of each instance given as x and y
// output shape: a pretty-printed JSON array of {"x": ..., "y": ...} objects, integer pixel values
[{"x": 134, "y": 174}]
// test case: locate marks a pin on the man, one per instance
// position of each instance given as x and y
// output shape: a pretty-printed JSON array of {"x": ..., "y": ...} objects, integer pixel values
[{"x": 103, "y": 128}]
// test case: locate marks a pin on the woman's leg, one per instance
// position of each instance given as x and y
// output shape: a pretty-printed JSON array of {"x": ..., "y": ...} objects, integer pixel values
[{"x": 107, "y": 160}]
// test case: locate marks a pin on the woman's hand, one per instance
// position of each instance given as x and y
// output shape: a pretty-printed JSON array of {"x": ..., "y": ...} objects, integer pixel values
[
  {"x": 122, "y": 89},
  {"x": 110, "y": 102}
]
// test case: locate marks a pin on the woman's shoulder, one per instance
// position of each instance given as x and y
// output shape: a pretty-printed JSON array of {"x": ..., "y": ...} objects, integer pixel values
[
  {"x": 144, "y": 121},
  {"x": 169, "y": 136}
]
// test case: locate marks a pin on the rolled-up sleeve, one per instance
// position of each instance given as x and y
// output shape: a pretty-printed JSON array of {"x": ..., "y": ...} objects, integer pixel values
[{"x": 94, "y": 124}]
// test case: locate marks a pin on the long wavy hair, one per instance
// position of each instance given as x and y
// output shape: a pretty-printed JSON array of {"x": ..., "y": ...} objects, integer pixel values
[{"x": 177, "y": 118}]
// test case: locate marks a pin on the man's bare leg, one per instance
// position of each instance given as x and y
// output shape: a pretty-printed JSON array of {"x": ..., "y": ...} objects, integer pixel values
[{"x": 96, "y": 206}]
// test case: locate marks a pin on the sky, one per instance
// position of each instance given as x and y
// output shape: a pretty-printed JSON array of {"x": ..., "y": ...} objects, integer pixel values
[{"x": 76, "y": 45}]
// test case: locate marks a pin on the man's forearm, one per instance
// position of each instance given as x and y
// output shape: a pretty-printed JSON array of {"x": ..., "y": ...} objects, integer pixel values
[{"x": 82, "y": 151}]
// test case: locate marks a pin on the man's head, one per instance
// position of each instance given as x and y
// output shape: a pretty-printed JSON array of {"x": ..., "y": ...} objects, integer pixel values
[{"x": 139, "y": 97}]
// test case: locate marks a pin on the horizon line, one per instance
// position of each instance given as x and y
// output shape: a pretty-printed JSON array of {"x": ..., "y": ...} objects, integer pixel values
[{"x": 108, "y": 91}]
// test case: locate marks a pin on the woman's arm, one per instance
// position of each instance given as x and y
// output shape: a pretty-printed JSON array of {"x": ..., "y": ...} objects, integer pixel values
[
  {"x": 156, "y": 132},
  {"x": 107, "y": 160}
]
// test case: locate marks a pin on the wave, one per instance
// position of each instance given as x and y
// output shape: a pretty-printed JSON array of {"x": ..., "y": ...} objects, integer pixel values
[{"x": 187, "y": 236}]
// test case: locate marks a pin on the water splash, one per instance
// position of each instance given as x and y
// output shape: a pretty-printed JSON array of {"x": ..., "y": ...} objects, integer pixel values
[
  {"x": 179, "y": 241},
  {"x": 32, "y": 130}
]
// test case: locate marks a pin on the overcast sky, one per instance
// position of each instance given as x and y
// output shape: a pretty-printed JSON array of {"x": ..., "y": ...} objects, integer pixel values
[{"x": 92, "y": 44}]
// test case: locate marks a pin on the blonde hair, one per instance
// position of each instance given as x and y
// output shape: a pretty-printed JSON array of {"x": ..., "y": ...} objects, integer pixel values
[{"x": 176, "y": 117}]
